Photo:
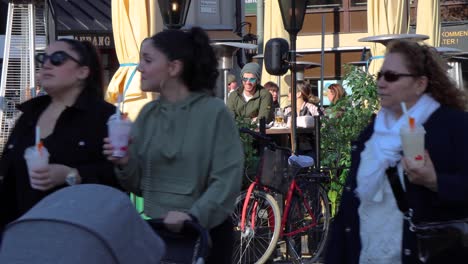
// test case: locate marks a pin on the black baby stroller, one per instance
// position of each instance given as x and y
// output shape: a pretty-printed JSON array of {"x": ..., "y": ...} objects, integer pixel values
[
  {"x": 190, "y": 246},
  {"x": 88, "y": 223}
]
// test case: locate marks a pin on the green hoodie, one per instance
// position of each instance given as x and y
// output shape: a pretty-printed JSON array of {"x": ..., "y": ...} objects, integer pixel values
[
  {"x": 185, "y": 156},
  {"x": 258, "y": 106}
]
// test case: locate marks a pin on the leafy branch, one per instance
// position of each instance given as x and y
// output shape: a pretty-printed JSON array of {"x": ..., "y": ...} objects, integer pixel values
[
  {"x": 343, "y": 123},
  {"x": 250, "y": 152}
]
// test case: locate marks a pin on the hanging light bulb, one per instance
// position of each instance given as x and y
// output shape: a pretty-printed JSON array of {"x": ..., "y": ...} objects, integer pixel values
[
  {"x": 174, "y": 12},
  {"x": 175, "y": 6}
]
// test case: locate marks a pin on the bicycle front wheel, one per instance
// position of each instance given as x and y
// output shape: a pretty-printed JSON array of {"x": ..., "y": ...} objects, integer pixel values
[
  {"x": 308, "y": 222},
  {"x": 256, "y": 242}
]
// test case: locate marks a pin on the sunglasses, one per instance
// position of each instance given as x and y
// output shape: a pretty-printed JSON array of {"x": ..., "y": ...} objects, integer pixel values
[
  {"x": 252, "y": 80},
  {"x": 57, "y": 58},
  {"x": 392, "y": 76}
]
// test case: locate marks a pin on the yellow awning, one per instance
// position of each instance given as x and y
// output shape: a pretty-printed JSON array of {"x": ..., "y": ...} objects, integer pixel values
[
  {"x": 385, "y": 17},
  {"x": 132, "y": 22},
  {"x": 428, "y": 21}
]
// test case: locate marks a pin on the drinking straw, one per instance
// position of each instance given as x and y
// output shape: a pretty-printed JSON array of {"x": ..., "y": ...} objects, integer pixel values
[
  {"x": 405, "y": 111},
  {"x": 37, "y": 136},
  {"x": 119, "y": 101},
  {"x": 411, "y": 121},
  {"x": 37, "y": 140}
]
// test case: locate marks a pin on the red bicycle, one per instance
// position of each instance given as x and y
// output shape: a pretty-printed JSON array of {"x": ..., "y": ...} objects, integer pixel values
[{"x": 294, "y": 222}]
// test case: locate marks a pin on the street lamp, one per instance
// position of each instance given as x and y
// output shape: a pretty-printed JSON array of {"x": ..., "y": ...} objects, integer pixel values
[
  {"x": 293, "y": 12},
  {"x": 174, "y": 12},
  {"x": 248, "y": 38}
]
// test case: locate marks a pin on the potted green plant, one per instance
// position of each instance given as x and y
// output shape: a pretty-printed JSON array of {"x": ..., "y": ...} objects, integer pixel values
[
  {"x": 342, "y": 124},
  {"x": 251, "y": 157}
]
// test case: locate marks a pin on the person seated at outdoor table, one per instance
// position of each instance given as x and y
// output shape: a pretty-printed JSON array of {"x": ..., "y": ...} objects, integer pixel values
[
  {"x": 435, "y": 190},
  {"x": 274, "y": 90},
  {"x": 335, "y": 92},
  {"x": 304, "y": 107},
  {"x": 72, "y": 118},
  {"x": 251, "y": 100},
  {"x": 305, "y": 101},
  {"x": 231, "y": 83}
]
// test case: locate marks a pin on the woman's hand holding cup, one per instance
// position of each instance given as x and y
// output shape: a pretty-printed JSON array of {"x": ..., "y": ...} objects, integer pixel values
[
  {"x": 422, "y": 175},
  {"x": 108, "y": 151},
  {"x": 49, "y": 177}
]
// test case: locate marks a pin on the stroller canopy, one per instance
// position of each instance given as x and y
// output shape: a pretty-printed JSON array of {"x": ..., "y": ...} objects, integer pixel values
[{"x": 86, "y": 223}]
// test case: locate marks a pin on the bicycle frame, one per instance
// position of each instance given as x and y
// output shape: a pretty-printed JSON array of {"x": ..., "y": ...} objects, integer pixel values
[
  {"x": 246, "y": 204},
  {"x": 292, "y": 188},
  {"x": 252, "y": 215}
]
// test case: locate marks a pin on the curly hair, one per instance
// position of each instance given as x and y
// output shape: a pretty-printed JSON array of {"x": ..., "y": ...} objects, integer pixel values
[
  {"x": 423, "y": 60},
  {"x": 193, "y": 48},
  {"x": 338, "y": 91}
]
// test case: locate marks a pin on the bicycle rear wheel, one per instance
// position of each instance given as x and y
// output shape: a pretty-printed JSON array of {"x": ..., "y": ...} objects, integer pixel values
[
  {"x": 257, "y": 241},
  {"x": 308, "y": 222}
]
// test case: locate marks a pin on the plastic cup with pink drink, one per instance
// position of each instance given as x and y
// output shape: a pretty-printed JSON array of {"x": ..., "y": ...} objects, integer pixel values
[
  {"x": 37, "y": 158},
  {"x": 119, "y": 127}
]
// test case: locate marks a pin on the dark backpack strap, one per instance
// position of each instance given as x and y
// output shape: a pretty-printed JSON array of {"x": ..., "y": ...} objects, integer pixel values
[{"x": 397, "y": 188}]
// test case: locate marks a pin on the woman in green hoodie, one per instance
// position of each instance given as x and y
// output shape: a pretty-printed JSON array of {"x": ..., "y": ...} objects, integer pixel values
[{"x": 185, "y": 158}]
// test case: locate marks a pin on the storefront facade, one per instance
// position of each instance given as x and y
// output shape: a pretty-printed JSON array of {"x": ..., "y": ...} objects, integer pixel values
[
  {"x": 92, "y": 21},
  {"x": 346, "y": 23}
]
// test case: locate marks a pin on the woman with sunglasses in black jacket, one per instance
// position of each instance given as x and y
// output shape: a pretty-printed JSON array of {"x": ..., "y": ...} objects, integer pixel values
[
  {"x": 369, "y": 226},
  {"x": 72, "y": 120}
]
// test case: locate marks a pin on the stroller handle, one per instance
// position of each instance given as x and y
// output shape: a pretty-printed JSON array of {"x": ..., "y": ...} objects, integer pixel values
[{"x": 189, "y": 227}]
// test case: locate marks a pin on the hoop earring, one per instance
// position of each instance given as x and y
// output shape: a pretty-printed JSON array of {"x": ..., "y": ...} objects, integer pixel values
[{"x": 161, "y": 84}]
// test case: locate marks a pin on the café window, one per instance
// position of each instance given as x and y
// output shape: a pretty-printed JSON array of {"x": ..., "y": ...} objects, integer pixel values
[
  {"x": 450, "y": 11},
  {"x": 341, "y": 16},
  {"x": 358, "y": 3},
  {"x": 453, "y": 10},
  {"x": 335, "y": 4},
  {"x": 322, "y": 4}
]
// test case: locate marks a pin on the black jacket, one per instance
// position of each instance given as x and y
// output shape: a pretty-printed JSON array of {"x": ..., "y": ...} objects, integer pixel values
[
  {"x": 76, "y": 141},
  {"x": 446, "y": 141}
]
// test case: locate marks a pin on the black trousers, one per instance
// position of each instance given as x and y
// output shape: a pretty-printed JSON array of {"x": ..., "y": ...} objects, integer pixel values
[{"x": 222, "y": 238}]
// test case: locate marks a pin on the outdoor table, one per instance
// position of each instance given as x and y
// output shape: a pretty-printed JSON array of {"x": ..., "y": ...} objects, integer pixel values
[
  {"x": 282, "y": 134},
  {"x": 287, "y": 131}
]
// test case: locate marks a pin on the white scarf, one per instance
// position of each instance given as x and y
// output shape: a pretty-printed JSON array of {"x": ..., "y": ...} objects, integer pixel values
[
  {"x": 378, "y": 211},
  {"x": 385, "y": 146}
]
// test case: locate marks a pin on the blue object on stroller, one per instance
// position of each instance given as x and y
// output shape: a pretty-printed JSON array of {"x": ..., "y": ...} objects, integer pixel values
[
  {"x": 87, "y": 223},
  {"x": 190, "y": 246}
]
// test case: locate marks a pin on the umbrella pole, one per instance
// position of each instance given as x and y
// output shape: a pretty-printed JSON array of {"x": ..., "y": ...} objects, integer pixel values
[
  {"x": 225, "y": 94},
  {"x": 317, "y": 120}
]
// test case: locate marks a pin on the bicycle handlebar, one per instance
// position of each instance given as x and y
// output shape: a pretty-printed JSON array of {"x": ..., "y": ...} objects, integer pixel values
[
  {"x": 189, "y": 228},
  {"x": 255, "y": 134}
]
